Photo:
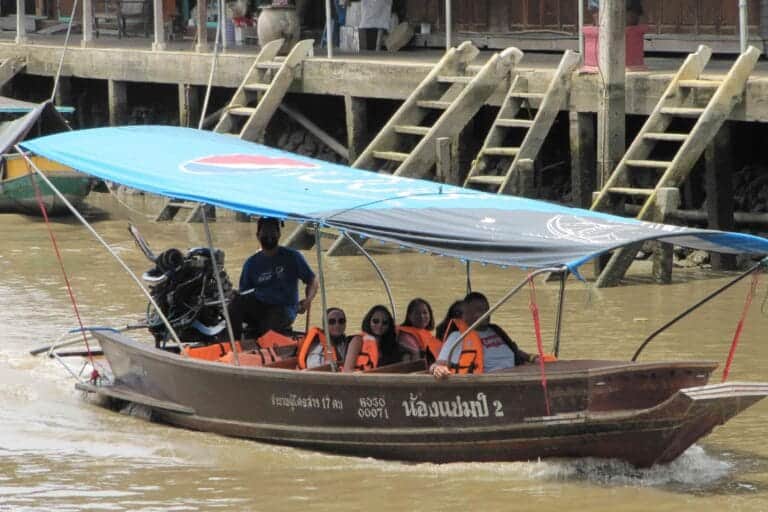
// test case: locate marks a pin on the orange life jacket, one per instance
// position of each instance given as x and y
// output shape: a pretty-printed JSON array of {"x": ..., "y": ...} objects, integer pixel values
[
  {"x": 369, "y": 353},
  {"x": 211, "y": 352},
  {"x": 428, "y": 345},
  {"x": 272, "y": 339},
  {"x": 471, "y": 356},
  {"x": 315, "y": 334}
]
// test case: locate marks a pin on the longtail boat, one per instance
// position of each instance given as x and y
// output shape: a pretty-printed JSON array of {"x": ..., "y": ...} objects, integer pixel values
[
  {"x": 17, "y": 191},
  {"x": 641, "y": 412}
]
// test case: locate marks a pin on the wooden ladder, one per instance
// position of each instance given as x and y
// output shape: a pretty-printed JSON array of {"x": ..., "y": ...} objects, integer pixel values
[
  {"x": 681, "y": 99},
  {"x": 497, "y": 153},
  {"x": 251, "y": 107},
  {"x": 262, "y": 90},
  {"x": 440, "y": 106}
]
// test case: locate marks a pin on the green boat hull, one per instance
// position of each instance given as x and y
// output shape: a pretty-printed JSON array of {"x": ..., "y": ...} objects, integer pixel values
[{"x": 18, "y": 194}]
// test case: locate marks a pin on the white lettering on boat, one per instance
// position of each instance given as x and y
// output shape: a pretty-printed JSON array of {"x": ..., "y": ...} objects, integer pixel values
[
  {"x": 458, "y": 408},
  {"x": 373, "y": 407},
  {"x": 294, "y": 402}
]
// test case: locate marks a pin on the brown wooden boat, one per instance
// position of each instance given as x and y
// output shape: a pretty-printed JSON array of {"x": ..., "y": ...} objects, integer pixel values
[{"x": 643, "y": 413}]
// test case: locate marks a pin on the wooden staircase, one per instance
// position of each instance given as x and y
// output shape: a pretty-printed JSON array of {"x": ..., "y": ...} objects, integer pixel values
[
  {"x": 516, "y": 161},
  {"x": 708, "y": 103},
  {"x": 440, "y": 106},
  {"x": 251, "y": 107}
]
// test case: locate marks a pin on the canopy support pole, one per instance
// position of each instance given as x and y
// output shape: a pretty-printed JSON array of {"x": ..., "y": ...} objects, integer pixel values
[
  {"x": 219, "y": 286},
  {"x": 503, "y": 301},
  {"x": 378, "y": 271},
  {"x": 106, "y": 246},
  {"x": 323, "y": 300},
  {"x": 559, "y": 312},
  {"x": 469, "y": 278}
]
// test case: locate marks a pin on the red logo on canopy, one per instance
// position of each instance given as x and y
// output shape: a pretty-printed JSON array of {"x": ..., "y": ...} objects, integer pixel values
[{"x": 216, "y": 164}]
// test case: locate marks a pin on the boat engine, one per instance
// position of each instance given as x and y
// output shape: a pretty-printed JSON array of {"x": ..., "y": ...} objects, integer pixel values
[{"x": 184, "y": 287}]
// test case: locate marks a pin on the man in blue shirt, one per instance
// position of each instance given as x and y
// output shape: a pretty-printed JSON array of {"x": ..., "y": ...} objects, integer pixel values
[{"x": 269, "y": 285}]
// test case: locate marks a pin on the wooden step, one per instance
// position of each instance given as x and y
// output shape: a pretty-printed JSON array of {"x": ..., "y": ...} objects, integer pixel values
[
  {"x": 434, "y": 104},
  {"x": 682, "y": 111},
  {"x": 487, "y": 180},
  {"x": 257, "y": 87},
  {"x": 270, "y": 64},
  {"x": 667, "y": 137},
  {"x": 700, "y": 84},
  {"x": 527, "y": 95},
  {"x": 394, "y": 156},
  {"x": 409, "y": 129},
  {"x": 644, "y": 192},
  {"x": 181, "y": 204},
  {"x": 242, "y": 111},
  {"x": 501, "y": 151},
  {"x": 447, "y": 79},
  {"x": 515, "y": 123},
  {"x": 649, "y": 164}
]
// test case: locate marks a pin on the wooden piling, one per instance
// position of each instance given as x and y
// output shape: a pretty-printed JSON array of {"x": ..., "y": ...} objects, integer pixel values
[
  {"x": 87, "y": 11},
  {"x": 21, "y": 28},
  {"x": 718, "y": 184},
  {"x": 157, "y": 14},
  {"x": 189, "y": 105},
  {"x": 583, "y": 158},
  {"x": 202, "y": 27},
  {"x": 611, "y": 136},
  {"x": 356, "y": 111},
  {"x": 117, "y": 99}
]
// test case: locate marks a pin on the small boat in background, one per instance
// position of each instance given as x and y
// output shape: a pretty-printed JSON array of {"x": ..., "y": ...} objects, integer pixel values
[{"x": 17, "y": 191}]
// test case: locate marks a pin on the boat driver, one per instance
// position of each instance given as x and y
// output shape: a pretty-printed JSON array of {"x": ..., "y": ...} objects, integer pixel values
[
  {"x": 269, "y": 285},
  {"x": 494, "y": 348}
]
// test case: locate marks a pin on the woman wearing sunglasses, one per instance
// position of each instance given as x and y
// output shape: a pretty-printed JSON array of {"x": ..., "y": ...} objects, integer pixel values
[
  {"x": 376, "y": 345},
  {"x": 314, "y": 350}
]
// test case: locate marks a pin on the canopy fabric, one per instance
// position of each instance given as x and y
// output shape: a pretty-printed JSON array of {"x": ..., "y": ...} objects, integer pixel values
[{"x": 251, "y": 178}]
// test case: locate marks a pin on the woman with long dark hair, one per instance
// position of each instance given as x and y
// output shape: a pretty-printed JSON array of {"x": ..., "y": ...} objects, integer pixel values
[
  {"x": 414, "y": 336},
  {"x": 376, "y": 345}
]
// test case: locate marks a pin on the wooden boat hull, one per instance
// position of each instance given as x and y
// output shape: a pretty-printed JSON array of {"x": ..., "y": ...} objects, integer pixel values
[
  {"x": 643, "y": 413},
  {"x": 17, "y": 192}
]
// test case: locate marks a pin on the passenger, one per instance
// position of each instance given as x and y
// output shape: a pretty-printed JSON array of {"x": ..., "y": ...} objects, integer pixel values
[
  {"x": 314, "y": 350},
  {"x": 414, "y": 336},
  {"x": 376, "y": 345},
  {"x": 455, "y": 311},
  {"x": 485, "y": 349},
  {"x": 269, "y": 288}
]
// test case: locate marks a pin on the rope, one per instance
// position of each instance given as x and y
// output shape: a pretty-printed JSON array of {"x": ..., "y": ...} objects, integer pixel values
[
  {"x": 740, "y": 326},
  {"x": 539, "y": 342},
  {"x": 39, "y": 197},
  {"x": 63, "y": 51}
]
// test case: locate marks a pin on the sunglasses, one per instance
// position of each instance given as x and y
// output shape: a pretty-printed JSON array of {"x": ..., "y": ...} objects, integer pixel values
[
  {"x": 377, "y": 321},
  {"x": 334, "y": 321}
]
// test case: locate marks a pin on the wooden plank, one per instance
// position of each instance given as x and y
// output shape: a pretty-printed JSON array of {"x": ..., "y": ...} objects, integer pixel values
[{"x": 315, "y": 130}]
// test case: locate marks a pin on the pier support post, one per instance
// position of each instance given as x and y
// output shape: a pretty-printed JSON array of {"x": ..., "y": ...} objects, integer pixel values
[
  {"x": 443, "y": 162},
  {"x": 189, "y": 105},
  {"x": 718, "y": 184},
  {"x": 583, "y": 158},
  {"x": 21, "y": 27},
  {"x": 87, "y": 24},
  {"x": 611, "y": 136},
  {"x": 157, "y": 11},
  {"x": 202, "y": 26},
  {"x": 356, "y": 111},
  {"x": 117, "y": 99}
]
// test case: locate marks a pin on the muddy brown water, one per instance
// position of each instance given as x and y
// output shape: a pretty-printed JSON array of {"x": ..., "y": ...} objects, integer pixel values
[{"x": 59, "y": 452}]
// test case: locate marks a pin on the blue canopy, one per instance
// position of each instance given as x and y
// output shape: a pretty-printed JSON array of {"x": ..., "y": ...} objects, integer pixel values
[{"x": 251, "y": 178}]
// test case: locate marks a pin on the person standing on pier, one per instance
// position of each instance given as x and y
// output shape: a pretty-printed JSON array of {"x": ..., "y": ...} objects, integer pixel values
[{"x": 269, "y": 291}]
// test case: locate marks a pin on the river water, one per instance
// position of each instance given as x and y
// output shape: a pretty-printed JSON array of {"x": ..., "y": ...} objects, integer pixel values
[{"x": 59, "y": 452}]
